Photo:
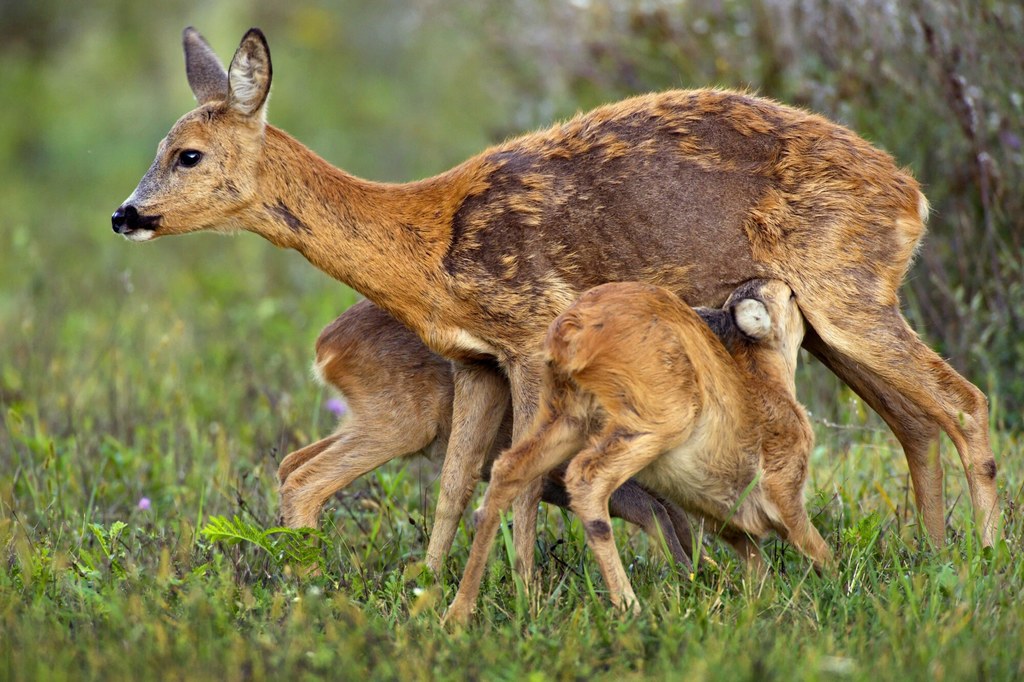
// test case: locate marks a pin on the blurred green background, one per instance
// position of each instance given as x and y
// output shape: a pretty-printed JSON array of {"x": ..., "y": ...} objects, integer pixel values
[
  {"x": 400, "y": 90},
  {"x": 96, "y": 332},
  {"x": 146, "y": 388}
]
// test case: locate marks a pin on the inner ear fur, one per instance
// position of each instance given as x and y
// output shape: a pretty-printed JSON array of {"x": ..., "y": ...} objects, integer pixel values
[
  {"x": 752, "y": 317},
  {"x": 249, "y": 74}
]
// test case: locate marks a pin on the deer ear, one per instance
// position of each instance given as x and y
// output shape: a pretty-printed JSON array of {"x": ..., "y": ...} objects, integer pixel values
[
  {"x": 249, "y": 75},
  {"x": 206, "y": 75},
  {"x": 752, "y": 318}
]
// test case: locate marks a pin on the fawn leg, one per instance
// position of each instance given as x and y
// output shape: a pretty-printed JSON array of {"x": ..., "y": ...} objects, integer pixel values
[
  {"x": 637, "y": 505},
  {"x": 591, "y": 478},
  {"x": 658, "y": 518},
  {"x": 299, "y": 457},
  {"x": 552, "y": 443},
  {"x": 353, "y": 453},
  {"x": 747, "y": 548},
  {"x": 787, "y": 494},
  {"x": 684, "y": 533}
]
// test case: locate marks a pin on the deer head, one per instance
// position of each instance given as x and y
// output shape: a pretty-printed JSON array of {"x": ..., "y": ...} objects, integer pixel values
[{"x": 205, "y": 171}]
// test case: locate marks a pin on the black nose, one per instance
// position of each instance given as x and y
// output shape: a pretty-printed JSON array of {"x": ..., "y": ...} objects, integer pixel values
[{"x": 124, "y": 218}]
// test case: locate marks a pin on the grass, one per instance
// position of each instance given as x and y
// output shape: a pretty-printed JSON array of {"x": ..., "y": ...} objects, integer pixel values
[{"x": 186, "y": 389}]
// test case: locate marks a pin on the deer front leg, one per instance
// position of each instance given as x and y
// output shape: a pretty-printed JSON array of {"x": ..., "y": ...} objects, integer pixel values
[
  {"x": 481, "y": 401},
  {"x": 524, "y": 378}
]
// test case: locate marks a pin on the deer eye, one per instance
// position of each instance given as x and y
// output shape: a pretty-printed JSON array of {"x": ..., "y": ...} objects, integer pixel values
[{"x": 189, "y": 158}]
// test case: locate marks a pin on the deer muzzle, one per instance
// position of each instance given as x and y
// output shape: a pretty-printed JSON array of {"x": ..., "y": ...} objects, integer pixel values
[{"x": 127, "y": 219}]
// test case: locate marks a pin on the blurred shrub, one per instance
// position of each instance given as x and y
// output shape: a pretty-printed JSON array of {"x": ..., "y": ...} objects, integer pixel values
[
  {"x": 938, "y": 84},
  {"x": 395, "y": 90}
]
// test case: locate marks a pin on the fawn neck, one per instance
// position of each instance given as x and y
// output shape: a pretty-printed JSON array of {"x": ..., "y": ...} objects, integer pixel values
[{"x": 773, "y": 371}]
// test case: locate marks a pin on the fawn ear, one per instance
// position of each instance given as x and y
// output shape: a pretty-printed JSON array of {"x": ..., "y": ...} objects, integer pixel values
[
  {"x": 719, "y": 320},
  {"x": 249, "y": 75},
  {"x": 206, "y": 75},
  {"x": 752, "y": 318}
]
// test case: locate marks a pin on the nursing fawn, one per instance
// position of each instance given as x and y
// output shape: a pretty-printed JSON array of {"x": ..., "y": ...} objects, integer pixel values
[
  {"x": 636, "y": 384},
  {"x": 399, "y": 397}
]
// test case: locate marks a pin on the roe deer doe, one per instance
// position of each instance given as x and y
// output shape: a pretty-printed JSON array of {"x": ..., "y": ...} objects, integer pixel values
[
  {"x": 399, "y": 396},
  {"x": 636, "y": 384},
  {"x": 696, "y": 191}
]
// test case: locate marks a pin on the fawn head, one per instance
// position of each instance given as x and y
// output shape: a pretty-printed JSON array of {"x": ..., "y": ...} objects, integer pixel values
[
  {"x": 205, "y": 170},
  {"x": 760, "y": 314}
]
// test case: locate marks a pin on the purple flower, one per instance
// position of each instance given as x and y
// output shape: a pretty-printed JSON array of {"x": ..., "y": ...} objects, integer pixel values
[
  {"x": 144, "y": 503},
  {"x": 336, "y": 407}
]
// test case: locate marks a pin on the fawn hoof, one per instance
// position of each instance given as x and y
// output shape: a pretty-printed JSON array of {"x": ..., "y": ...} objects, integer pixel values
[
  {"x": 458, "y": 614},
  {"x": 435, "y": 565}
]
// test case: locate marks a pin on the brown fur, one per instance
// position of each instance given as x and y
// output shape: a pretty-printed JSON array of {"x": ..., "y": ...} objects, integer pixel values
[
  {"x": 399, "y": 397},
  {"x": 636, "y": 384},
  {"x": 696, "y": 191}
]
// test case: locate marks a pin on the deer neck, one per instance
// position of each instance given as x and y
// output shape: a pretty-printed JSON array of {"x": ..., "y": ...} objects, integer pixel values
[{"x": 383, "y": 240}]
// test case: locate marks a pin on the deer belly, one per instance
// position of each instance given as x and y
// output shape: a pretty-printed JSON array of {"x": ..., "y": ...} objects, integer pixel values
[
  {"x": 715, "y": 484},
  {"x": 458, "y": 344}
]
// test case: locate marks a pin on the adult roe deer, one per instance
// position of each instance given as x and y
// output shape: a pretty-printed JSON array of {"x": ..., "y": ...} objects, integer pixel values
[
  {"x": 400, "y": 397},
  {"x": 696, "y": 191},
  {"x": 638, "y": 385}
]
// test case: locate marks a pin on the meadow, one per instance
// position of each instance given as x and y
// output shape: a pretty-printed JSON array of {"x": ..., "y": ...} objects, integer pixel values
[{"x": 147, "y": 392}]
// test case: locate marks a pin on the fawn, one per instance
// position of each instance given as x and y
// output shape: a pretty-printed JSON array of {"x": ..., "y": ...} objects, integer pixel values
[
  {"x": 399, "y": 396},
  {"x": 693, "y": 190},
  {"x": 637, "y": 384}
]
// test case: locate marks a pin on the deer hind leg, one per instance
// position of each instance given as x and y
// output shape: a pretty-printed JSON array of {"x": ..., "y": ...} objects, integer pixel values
[
  {"x": 916, "y": 393},
  {"x": 515, "y": 470},
  {"x": 918, "y": 435},
  {"x": 592, "y": 477},
  {"x": 635, "y": 504},
  {"x": 481, "y": 400},
  {"x": 657, "y": 517}
]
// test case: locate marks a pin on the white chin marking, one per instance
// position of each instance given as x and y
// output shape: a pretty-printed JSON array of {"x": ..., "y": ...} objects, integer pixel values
[{"x": 140, "y": 235}]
